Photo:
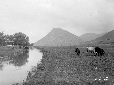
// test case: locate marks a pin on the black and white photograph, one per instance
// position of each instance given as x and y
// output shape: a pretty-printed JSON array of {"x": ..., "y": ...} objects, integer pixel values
[{"x": 56, "y": 42}]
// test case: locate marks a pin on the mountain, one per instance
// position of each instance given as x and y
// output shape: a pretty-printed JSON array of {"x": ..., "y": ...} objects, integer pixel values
[
  {"x": 90, "y": 36},
  {"x": 58, "y": 37},
  {"x": 107, "y": 38}
]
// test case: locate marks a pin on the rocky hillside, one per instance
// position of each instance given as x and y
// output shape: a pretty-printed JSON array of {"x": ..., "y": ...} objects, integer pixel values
[{"x": 59, "y": 37}]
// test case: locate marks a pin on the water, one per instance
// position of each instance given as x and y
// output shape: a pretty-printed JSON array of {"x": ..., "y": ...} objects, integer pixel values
[{"x": 15, "y": 69}]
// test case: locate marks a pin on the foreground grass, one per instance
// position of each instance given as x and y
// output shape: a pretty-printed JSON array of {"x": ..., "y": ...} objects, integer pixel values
[{"x": 61, "y": 66}]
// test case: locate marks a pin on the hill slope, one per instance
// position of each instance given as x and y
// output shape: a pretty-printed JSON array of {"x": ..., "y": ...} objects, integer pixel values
[
  {"x": 106, "y": 38},
  {"x": 58, "y": 37},
  {"x": 90, "y": 36}
]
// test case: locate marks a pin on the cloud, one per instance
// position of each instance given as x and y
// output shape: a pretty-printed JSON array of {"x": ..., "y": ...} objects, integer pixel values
[
  {"x": 91, "y": 16},
  {"x": 40, "y": 16}
]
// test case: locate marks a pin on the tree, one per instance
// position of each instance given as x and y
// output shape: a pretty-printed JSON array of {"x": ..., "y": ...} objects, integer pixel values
[
  {"x": 20, "y": 39},
  {"x": 9, "y": 39},
  {"x": 2, "y": 39}
]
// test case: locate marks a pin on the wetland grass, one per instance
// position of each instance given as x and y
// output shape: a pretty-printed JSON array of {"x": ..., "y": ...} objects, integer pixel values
[{"x": 61, "y": 66}]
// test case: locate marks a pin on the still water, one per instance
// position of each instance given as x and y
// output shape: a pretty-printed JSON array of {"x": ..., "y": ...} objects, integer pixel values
[{"x": 15, "y": 69}]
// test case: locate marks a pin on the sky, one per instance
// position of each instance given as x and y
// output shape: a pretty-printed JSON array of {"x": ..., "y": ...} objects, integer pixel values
[{"x": 36, "y": 18}]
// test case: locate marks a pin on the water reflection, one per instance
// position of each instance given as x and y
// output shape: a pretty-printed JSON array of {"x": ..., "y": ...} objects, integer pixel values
[
  {"x": 14, "y": 68},
  {"x": 1, "y": 66},
  {"x": 17, "y": 59},
  {"x": 20, "y": 59}
]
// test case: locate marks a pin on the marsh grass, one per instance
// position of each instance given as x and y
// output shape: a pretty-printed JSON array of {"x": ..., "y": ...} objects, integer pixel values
[{"x": 61, "y": 66}]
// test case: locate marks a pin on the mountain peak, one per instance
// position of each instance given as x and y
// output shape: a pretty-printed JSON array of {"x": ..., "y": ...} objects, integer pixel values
[
  {"x": 56, "y": 29},
  {"x": 58, "y": 37}
]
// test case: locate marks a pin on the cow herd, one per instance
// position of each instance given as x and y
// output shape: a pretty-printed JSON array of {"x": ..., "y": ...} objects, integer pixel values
[{"x": 97, "y": 51}]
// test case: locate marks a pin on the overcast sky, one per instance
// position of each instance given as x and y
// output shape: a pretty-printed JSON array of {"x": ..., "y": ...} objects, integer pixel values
[{"x": 36, "y": 18}]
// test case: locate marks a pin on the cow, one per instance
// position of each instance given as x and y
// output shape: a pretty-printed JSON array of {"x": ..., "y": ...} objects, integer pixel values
[
  {"x": 91, "y": 49},
  {"x": 77, "y": 51},
  {"x": 96, "y": 50},
  {"x": 99, "y": 51}
]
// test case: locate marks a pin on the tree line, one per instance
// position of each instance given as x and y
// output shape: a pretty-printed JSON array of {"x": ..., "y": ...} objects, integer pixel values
[{"x": 17, "y": 39}]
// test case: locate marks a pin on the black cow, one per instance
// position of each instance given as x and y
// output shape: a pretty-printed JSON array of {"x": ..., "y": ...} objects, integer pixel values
[
  {"x": 99, "y": 51},
  {"x": 77, "y": 51}
]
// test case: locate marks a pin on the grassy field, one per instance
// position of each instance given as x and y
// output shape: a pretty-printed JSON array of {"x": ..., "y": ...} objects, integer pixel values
[{"x": 62, "y": 66}]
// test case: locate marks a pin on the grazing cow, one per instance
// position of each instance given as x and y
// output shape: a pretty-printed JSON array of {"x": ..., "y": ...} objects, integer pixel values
[
  {"x": 91, "y": 49},
  {"x": 99, "y": 51},
  {"x": 96, "y": 50},
  {"x": 77, "y": 51}
]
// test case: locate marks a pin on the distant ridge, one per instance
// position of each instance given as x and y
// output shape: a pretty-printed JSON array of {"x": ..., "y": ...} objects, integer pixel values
[
  {"x": 59, "y": 37},
  {"x": 90, "y": 36},
  {"x": 107, "y": 38}
]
